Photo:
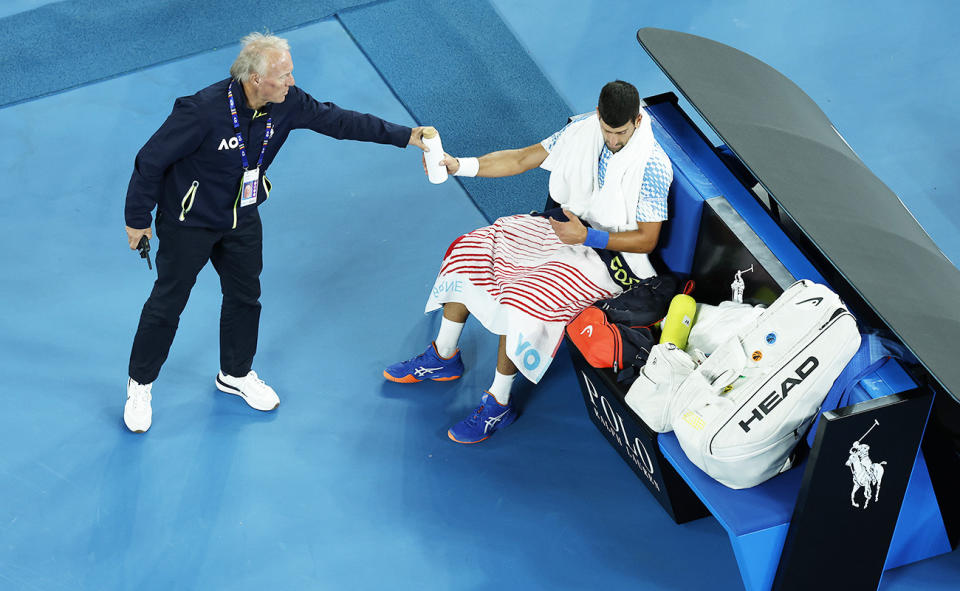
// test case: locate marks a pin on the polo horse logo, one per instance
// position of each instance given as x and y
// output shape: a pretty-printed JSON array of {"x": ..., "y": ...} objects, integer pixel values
[{"x": 866, "y": 474}]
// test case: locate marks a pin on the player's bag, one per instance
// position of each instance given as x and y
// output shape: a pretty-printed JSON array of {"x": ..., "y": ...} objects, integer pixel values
[
  {"x": 714, "y": 325},
  {"x": 657, "y": 382},
  {"x": 605, "y": 344},
  {"x": 646, "y": 303},
  {"x": 740, "y": 415}
]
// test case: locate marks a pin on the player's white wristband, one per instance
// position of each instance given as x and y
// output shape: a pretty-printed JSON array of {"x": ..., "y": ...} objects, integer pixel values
[{"x": 468, "y": 167}]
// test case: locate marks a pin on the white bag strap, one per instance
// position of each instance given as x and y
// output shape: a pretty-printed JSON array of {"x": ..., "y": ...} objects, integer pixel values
[{"x": 725, "y": 365}]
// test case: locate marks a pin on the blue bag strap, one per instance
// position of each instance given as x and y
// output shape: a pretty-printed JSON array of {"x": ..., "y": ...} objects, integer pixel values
[
  {"x": 845, "y": 397},
  {"x": 873, "y": 353}
]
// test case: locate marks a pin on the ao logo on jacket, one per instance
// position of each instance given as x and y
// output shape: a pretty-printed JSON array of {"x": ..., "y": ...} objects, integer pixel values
[{"x": 229, "y": 144}]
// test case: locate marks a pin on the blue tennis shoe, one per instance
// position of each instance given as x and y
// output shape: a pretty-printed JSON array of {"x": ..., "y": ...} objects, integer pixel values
[
  {"x": 429, "y": 365},
  {"x": 484, "y": 422}
]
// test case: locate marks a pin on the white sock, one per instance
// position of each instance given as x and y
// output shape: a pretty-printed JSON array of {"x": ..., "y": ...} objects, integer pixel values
[
  {"x": 501, "y": 387},
  {"x": 448, "y": 337}
]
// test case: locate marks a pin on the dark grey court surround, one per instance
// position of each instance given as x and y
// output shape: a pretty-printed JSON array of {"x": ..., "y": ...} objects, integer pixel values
[{"x": 849, "y": 215}]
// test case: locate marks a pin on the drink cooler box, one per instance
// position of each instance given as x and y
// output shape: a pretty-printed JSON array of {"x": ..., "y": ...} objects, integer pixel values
[{"x": 723, "y": 219}]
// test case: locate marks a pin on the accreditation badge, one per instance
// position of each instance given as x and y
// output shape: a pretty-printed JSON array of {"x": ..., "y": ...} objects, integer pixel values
[{"x": 248, "y": 189}]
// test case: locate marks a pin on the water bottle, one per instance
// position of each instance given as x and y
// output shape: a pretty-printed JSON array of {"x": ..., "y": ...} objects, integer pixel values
[{"x": 436, "y": 172}]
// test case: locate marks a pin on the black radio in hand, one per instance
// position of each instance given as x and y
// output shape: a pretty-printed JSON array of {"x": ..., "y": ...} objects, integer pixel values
[{"x": 144, "y": 247}]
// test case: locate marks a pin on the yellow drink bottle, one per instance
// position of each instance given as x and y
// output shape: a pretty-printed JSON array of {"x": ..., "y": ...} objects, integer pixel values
[{"x": 676, "y": 326}]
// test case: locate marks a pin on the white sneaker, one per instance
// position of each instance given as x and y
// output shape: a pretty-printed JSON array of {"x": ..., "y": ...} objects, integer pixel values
[
  {"x": 251, "y": 388},
  {"x": 137, "y": 413}
]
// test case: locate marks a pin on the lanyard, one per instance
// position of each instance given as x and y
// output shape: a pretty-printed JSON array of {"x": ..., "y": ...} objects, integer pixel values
[{"x": 236, "y": 126}]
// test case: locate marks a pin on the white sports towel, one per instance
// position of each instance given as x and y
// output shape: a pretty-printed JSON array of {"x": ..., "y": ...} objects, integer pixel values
[{"x": 574, "y": 182}]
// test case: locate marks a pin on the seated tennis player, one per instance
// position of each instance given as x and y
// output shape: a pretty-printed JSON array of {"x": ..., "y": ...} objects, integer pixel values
[{"x": 526, "y": 276}]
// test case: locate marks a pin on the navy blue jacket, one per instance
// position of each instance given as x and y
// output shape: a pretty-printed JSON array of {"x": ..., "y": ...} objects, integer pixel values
[{"x": 197, "y": 143}]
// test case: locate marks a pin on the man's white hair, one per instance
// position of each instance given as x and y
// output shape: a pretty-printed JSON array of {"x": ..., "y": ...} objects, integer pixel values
[{"x": 254, "y": 56}]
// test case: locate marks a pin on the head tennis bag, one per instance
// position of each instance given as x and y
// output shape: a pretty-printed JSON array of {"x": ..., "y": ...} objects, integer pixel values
[{"x": 740, "y": 415}]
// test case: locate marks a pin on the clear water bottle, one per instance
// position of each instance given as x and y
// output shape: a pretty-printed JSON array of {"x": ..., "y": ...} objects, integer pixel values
[{"x": 436, "y": 172}]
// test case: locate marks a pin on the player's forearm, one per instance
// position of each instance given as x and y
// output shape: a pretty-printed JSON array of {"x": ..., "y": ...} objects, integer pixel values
[
  {"x": 501, "y": 163},
  {"x": 642, "y": 240},
  {"x": 511, "y": 162},
  {"x": 632, "y": 241}
]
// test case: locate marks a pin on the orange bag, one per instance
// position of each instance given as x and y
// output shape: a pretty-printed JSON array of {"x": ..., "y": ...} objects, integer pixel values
[
  {"x": 598, "y": 340},
  {"x": 608, "y": 344}
]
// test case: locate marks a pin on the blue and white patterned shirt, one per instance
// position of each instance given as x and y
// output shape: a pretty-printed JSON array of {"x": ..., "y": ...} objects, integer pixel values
[{"x": 657, "y": 176}]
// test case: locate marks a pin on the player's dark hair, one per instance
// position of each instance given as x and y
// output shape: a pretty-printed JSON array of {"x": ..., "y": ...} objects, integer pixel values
[{"x": 619, "y": 103}]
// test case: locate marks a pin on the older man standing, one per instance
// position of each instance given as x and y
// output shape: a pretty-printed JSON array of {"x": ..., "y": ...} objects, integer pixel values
[{"x": 204, "y": 172}]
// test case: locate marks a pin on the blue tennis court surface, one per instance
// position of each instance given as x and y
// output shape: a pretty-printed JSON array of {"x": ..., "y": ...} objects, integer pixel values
[{"x": 352, "y": 482}]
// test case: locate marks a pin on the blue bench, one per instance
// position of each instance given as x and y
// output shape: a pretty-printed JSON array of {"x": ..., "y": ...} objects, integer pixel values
[
  {"x": 718, "y": 226},
  {"x": 757, "y": 520}
]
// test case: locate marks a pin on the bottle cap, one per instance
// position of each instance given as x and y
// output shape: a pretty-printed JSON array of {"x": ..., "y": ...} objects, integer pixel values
[{"x": 429, "y": 133}]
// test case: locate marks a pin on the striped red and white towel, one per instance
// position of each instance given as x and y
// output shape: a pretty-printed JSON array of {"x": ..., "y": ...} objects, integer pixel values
[{"x": 519, "y": 280}]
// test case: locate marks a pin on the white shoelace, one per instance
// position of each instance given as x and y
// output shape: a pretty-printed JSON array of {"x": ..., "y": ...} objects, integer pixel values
[
  {"x": 254, "y": 379},
  {"x": 140, "y": 395}
]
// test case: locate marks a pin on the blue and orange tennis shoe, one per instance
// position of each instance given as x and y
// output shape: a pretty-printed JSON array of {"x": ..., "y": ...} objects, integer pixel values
[
  {"x": 429, "y": 365},
  {"x": 484, "y": 422}
]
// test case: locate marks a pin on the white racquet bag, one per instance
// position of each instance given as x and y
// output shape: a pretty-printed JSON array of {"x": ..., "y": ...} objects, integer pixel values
[
  {"x": 739, "y": 416},
  {"x": 650, "y": 394}
]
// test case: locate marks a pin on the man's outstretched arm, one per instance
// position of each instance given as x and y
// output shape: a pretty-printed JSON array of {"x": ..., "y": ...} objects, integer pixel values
[{"x": 501, "y": 163}]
